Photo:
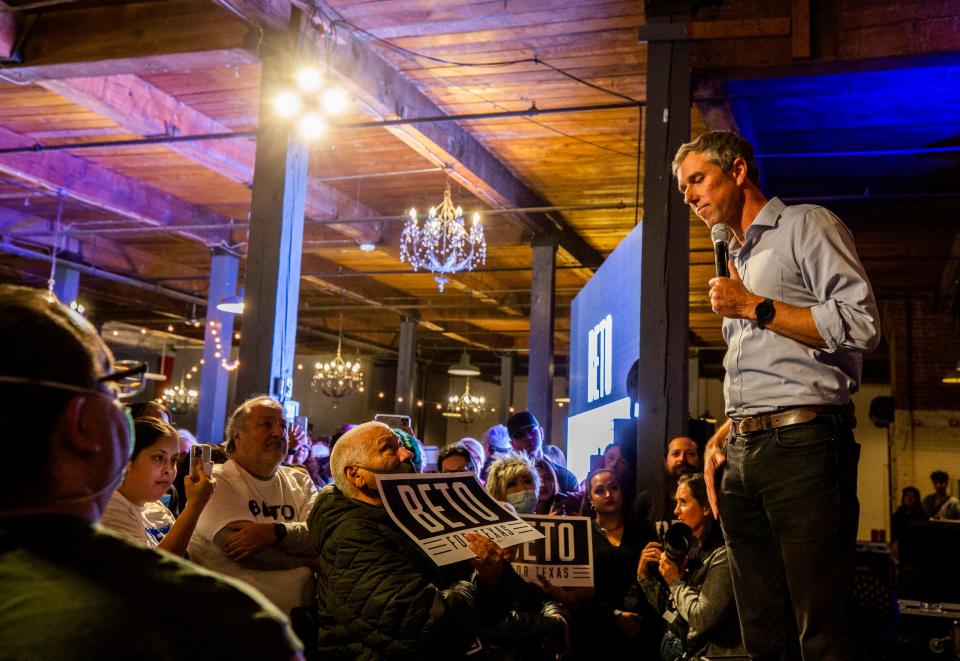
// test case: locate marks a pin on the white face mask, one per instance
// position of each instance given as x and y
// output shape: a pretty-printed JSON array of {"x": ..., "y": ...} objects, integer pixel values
[{"x": 523, "y": 501}]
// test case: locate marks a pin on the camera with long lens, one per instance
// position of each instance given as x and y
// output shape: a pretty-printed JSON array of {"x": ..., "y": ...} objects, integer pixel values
[{"x": 677, "y": 542}]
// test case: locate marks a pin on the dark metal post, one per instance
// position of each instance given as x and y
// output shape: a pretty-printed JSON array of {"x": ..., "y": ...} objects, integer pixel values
[
  {"x": 214, "y": 378},
  {"x": 506, "y": 385},
  {"x": 272, "y": 276},
  {"x": 406, "y": 367},
  {"x": 666, "y": 254},
  {"x": 540, "y": 373}
]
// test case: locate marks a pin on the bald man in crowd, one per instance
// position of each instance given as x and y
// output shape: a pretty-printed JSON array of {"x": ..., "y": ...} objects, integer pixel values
[{"x": 379, "y": 595}]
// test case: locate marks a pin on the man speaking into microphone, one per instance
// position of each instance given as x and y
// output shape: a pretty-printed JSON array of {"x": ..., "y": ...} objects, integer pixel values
[{"x": 798, "y": 313}]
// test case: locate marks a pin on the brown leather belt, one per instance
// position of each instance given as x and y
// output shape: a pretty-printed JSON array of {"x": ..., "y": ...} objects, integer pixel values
[{"x": 783, "y": 418}]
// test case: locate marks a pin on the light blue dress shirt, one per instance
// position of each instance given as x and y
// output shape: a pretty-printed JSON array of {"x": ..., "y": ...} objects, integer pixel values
[{"x": 804, "y": 256}]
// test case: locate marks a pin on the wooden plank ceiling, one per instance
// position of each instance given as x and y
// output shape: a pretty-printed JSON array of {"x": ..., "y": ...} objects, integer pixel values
[{"x": 182, "y": 67}]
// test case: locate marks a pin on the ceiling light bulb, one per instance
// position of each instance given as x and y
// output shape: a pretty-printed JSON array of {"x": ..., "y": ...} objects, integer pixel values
[
  {"x": 309, "y": 79},
  {"x": 287, "y": 104},
  {"x": 312, "y": 126},
  {"x": 334, "y": 100},
  {"x": 368, "y": 246}
]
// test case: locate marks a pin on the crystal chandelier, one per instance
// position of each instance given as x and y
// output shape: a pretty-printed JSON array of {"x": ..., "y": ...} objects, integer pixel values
[
  {"x": 180, "y": 398},
  {"x": 443, "y": 245},
  {"x": 467, "y": 406},
  {"x": 338, "y": 378}
]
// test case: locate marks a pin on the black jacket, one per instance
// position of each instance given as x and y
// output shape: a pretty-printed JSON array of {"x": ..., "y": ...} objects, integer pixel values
[{"x": 379, "y": 596}]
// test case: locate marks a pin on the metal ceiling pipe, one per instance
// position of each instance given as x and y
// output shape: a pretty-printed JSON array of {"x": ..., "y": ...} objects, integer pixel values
[
  {"x": 173, "y": 229},
  {"x": 9, "y": 248},
  {"x": 532, "y": 111}
]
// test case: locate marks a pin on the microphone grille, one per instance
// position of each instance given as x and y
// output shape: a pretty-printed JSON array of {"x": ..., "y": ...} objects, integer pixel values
[{"x": 720, "y": 233}]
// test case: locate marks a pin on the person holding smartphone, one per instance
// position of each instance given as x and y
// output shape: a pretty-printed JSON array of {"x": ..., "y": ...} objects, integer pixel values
[{"x": 135, "y": 511}]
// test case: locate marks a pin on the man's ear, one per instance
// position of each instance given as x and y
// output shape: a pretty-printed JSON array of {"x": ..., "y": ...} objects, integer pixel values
[
  {"x": 352, "y": 473},
  {"x": 739, "y": 171},
  {"x": 80, "y": 425}
]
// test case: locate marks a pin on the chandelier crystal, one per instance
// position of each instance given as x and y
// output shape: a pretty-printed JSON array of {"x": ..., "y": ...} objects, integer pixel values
[
  {"x": 467, "y": 406},
  {"x": 338, "y": 378},
  {"x": 443, "y": 245},
  {"x": 180, "y": 398}
]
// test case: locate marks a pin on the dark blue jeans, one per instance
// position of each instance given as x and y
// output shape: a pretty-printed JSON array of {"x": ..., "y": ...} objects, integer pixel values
[{"x": 789, "y": 512}]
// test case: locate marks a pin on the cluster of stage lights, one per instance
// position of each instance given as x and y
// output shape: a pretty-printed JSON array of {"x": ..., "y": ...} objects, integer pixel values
[{"x": 313, "y": 101}]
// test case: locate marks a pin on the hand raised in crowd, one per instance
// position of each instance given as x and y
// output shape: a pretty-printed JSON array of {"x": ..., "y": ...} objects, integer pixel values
[
  {"x": 248, "y": 538},
  {"x": 490, "y": 557},
  {"x": 729, "y": 297},
  {"x": 198, "y": 486},
  {"x": 298, "y": 443},
  {"x": 649, "y": 556}
]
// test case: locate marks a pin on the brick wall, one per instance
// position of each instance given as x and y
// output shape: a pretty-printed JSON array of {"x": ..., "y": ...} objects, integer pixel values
[{"x": 924, "y": 345}]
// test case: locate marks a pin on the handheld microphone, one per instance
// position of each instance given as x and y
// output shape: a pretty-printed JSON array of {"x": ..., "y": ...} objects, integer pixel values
[{"x": 720, "y": 234}]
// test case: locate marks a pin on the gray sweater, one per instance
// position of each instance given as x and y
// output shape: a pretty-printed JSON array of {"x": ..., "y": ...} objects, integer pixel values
[{"x": 702, "y": 600}]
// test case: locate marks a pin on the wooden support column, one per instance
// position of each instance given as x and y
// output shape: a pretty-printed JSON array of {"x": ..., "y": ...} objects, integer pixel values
[
  {"x": 507, "y": 367},
  {"x": 406, "y": 367},
  {"x": 662, "y": 389},
  {"x": 272, "y": 280},
  {"x": 540, "y": 372},
  {"x": 214, "y": 379}
]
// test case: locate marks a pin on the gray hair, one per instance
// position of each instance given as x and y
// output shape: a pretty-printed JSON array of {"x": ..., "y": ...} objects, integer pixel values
[
  {"x": 352, "y": 449},
  {"x": 508, "y": 467},
  {"x": 475, "y": 448},
  {"x": 722, "y": 149},
  {"x": 497, "y": 437},
  {"x": 239, "y": 417}
]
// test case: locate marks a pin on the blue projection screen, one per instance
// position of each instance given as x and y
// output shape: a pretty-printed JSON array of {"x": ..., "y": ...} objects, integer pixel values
[{"x": 604, "y": 343}]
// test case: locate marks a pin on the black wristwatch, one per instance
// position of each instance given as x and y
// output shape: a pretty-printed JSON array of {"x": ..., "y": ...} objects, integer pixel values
[
  {"x": 764, "y": 312},
  {"x": 281, "y": 532}
]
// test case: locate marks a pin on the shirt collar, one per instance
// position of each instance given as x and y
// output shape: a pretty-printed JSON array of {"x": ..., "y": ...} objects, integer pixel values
[{"x": 768, "y": 217}]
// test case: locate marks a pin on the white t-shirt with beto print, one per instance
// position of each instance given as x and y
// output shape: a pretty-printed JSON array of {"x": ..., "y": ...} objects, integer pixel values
[
  {"x": 144, "y": 526},
  {"x": 285, "y": 498}
]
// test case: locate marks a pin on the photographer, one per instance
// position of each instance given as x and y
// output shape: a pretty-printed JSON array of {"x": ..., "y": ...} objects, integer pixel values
[{"x": 687, "y": 579}]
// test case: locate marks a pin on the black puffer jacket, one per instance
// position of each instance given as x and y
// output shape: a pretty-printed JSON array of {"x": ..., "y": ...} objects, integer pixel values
[{"x": 379, "y": 596}]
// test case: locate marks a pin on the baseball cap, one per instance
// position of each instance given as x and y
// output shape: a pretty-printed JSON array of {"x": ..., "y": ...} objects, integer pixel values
[{"x": 520, "y": 422}]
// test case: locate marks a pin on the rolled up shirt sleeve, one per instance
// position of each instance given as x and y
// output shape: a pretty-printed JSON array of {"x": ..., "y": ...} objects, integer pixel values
[{"x": 846, "y": 315}]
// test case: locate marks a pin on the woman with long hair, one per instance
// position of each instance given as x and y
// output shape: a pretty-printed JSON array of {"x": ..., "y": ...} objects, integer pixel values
[
  {"x": 135, "y": 511},
  {"x": 696, "y": 577}
]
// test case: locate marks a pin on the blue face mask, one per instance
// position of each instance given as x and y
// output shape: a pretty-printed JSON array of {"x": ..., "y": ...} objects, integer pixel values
[{"x": 523, "y": 501}]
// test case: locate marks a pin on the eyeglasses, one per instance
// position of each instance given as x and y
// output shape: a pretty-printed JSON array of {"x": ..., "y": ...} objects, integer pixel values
[
  {"x": 123, "y": 383},
  {"x": 128, "y": 378}
]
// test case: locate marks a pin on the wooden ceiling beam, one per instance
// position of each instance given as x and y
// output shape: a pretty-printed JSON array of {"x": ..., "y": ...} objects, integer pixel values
[
  {"x": 103, "y": 253},
  {"x": 135, "y": 38},
  {"x": 93, "y": 184},
  {"x": 389, "y": 94},
  {"x": 141, "y": 107}
]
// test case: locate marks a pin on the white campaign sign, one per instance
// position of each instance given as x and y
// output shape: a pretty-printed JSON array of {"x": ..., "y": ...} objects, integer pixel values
[
  {"x": 564, "y": 556},
  {"x": 436, "y": 509}
]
